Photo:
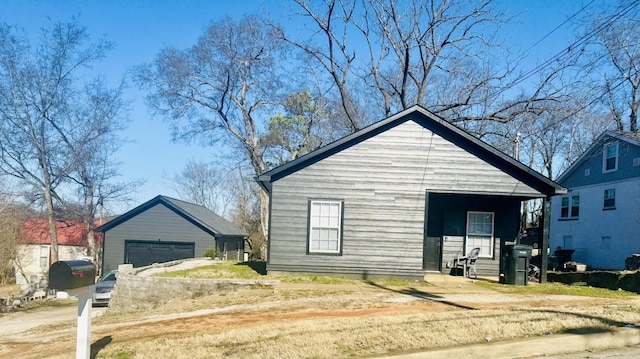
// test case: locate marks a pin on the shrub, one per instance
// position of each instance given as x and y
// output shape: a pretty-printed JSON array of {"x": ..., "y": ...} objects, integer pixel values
[{"x": 211, "y": 253}]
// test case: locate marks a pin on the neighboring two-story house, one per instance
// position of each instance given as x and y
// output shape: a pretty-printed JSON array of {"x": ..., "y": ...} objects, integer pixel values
[{"x": 600, "y": 215}]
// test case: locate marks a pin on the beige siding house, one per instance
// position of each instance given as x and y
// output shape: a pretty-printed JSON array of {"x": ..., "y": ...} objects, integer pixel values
[{"x": 34, "y": 251}]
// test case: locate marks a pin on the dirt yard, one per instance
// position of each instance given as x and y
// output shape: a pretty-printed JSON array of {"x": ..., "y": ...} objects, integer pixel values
[{"x": 323, "y": 321}]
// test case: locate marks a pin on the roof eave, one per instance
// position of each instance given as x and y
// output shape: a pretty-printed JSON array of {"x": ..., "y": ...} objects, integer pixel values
[{"x": 264, "y": 182}]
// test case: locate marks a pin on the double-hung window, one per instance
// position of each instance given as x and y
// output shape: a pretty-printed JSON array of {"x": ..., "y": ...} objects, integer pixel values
[
  {"x": 570, "y": 206},
  {"x": 610, "y": 198},
  {"x": 44, "y": 257},
  {"x": 480, "y": 233},
  {"x": 325, "y": 226},
  {"x": 610, "y": 157}
]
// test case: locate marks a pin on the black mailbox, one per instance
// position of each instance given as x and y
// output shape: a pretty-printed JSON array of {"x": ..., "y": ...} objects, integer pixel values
[{"x": 71, "y": 274}]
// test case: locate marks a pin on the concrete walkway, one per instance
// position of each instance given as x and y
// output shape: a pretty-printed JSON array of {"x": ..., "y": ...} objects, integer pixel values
[{"x": 534, "y": 347}]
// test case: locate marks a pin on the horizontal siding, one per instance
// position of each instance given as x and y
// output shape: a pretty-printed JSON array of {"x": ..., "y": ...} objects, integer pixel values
[
  {"x": 621, "y": 225},
  {"x": 452, "y": 248},
  {"x": 627, "y": 152},
  {"x": 156, "y": 223},
  {"x": 382, "y": 182}
]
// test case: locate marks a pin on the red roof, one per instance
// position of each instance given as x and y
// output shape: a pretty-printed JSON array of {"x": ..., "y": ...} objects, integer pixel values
[{"x": 70, "y": 233}]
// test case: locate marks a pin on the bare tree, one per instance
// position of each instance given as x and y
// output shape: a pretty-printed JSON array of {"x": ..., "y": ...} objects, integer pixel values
[
  {"x": 617, "y": 62},
  {"x": 246, "y": 212},
  {"x": 12, "y": 216},
  {"x": 40, "y": 94},
  {"x": 220, "y": 88},
  {"x": 329, "y": 48},
  {"x": 441, "y": 54},
  {"x": 203, "y": 184},
  {"x": 103, "y": 115}
]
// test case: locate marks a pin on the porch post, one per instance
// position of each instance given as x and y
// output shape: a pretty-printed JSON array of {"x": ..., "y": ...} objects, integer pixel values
[{"x": 544, "y": 246}]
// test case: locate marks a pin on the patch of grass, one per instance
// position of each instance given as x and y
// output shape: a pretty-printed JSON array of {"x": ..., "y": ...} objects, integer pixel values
[
  {"x": 258, "y": 270},
  {"x": 251, "y": 270},
  {"x": 45, "y": 303},
  {"x": 397, "y": 282},
  {"x": 557, "y": 289},
  {"x": 316, "y": 279},
  {"x": 121, "y": 354},
  {"x": 221, "y": 270}
]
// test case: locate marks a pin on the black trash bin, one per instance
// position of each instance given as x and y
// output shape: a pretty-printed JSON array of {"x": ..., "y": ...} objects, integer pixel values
[{"x": 515, "y": 263}]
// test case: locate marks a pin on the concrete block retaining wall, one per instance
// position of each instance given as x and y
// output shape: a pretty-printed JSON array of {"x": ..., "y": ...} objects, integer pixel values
[
  {"x": 135, "y": 291},
  {"x": 629, "y": 281}
]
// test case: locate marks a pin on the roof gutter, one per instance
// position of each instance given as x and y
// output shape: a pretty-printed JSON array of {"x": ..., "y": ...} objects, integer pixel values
[{"x": 264, "y": 182}]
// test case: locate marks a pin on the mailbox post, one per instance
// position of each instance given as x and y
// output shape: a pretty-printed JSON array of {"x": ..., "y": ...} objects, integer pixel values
[{"x": 77, "y": 277}]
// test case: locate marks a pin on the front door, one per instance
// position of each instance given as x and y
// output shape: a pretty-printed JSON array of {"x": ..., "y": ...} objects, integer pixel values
[
  {"x": 432, "y": 248},
  {"x": 432, "y": 254}
]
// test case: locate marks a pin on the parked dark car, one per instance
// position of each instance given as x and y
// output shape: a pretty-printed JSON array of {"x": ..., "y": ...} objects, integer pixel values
[
  {"x": 103, "y": 289},
  {"x": 531, "y": 237}
]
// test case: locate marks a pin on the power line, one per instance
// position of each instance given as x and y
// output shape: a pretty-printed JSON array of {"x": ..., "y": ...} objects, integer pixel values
[
  {"x": 582, "y": 40},
  {"x": 559, "y": 26},
  {"x": 574, "y": 112}
]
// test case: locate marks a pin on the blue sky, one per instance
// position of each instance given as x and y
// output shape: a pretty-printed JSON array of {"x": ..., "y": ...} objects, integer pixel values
[{"x": 140, "y": 28}]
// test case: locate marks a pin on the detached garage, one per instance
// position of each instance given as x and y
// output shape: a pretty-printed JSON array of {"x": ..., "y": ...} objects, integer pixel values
[{"x": 165, "y": 229}]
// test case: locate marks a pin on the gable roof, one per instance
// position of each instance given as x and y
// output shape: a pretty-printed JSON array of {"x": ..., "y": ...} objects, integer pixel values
[
  {"x": 198, "y": 215},
  {"x": 630, "y": 137},
  {"x": 434, "y": 123},
  {"x": 70, "y": 233}
]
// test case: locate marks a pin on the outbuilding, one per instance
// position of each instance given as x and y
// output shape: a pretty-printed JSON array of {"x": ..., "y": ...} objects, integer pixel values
[{"x": 165, "y": 229}]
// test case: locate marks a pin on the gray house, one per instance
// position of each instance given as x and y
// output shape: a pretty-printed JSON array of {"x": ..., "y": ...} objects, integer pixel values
[
  {"x": 402, "y": 197},
  {"x": 165, "y": 229}
]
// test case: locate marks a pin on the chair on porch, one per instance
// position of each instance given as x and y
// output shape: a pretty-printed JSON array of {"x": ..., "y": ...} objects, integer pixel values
[{"x": 468, "y": 263}]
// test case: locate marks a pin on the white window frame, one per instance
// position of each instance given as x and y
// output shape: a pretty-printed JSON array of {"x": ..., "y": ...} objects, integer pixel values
[
  {"x": 476, "y": 238},
  {"x": 605, "y": 157},
  {"x": 46, "y": 250},
  {"x": 329, "y": 222}
]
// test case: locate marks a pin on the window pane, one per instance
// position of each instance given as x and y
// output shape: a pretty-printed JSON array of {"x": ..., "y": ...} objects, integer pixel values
[
  {"x": 612, "y": 150},
  {"x": 315, "y": 214},
  {"x": 575, "y": 206},
  {"x": 575, "y": 211},
  {"x": 334, "y": 221},
  {"x": 480, "y": 223}
]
